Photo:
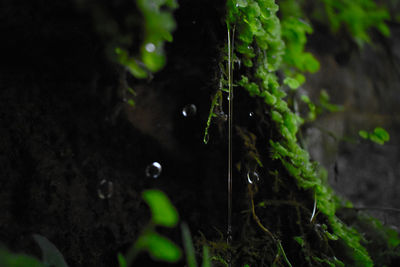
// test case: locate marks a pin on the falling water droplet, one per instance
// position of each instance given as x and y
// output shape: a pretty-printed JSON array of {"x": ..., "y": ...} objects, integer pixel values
[
  {"x": 153, "y": 170},
  {"x": 251, "y": 114},
  {"x": 189, "y": 110},
  {"x": 239, "y": 63},
  {"x": 105, "y": 189},
  {"x": 252, "y": 177},
  {"x": 150, "y": 47}
]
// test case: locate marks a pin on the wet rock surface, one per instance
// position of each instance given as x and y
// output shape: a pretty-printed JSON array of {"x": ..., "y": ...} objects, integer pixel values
[{"x": 367, "y": 86}]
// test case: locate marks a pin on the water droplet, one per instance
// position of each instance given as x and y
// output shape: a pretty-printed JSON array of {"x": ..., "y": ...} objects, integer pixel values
[
  {"x": 222, "y": 116},
  {"x": 150, "y": 47},
  {"x": 252, "y": 177},
  {"x": 189, "y": 110},
  {"x": 106, "y": 189},
  {"x": 229, "y": 239},
  {"x": 153, "y": 170},
  {"x": 251, "y": 114}
]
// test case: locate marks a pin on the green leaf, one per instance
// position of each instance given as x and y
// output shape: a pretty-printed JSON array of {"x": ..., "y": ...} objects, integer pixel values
[
  {"x": 121, "y": 260},
  {"x": 376, "y": 139},
  {"x": 382, "y": 134},
  {"x": 131, "y": 102},
  {"x": 292, "y": 83},
  {"x": 188, "y": 245},
  {"x": 8, "y": 259},
  {"x": 363, "y": 134},
  {"x": 163, "y": 212},
  {"x": 206, "y": 257},
  {"x": 159, "y": 247},
  {"x": 51, "y": 255},
  {"x": 299, "y": 240}
]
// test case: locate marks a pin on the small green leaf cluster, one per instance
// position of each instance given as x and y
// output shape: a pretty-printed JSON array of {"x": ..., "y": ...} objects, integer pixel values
[
  {"x": 294, "y": 33},
  {"x": 160, "y": 248},
  {"x": 257, "y": 23},
  {"x": 163, "y": 213},
  {"x": 158, "y": 27},
  {"x": 379, "y": 135},
  {"x": 358, "y": 16},
  {"x": 324, "y": 104}
]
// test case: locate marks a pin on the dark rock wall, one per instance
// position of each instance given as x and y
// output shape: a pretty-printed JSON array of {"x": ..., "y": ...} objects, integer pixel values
[{"x": 366, "y": 82}]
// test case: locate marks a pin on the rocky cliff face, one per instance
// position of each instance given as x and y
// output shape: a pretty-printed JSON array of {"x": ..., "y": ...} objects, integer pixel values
[{"x": 366, "y": 82}]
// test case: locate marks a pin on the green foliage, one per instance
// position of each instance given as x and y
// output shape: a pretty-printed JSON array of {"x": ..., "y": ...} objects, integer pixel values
[
  {"x": 320, "y": 107},
  {"x": 158, "y": 247},
  {"x": 189, "y": 249},
  {"x": 51, "y": 256},
  {"x": 158, "y": 27},
  {"x": 18, "y": 260},
  {"x": 216, "y": 103},
  {"x": 206, "y": 257},
  {"x": 188, "y": 245},
  {"x": 121, "y": 260},
  {"x": 299, "y": 240},
  {"x": 391, "y": 235},
  {"x": 358, "y": 16},
  {"x": 294, "y": 33},
  {"x": 379, "y": 135},
  {"x": 260, "y": 45},
  {"x": 325, "y": 104},
  {"x": 163, "y": 212}
]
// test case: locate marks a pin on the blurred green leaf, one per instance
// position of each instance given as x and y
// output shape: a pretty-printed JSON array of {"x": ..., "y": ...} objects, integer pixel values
[
  {"x": 159, "y": 247},
  {"x": 121, "y": 260},
  {"x": 363, "y": 134},
  {"x": 206, "y": 257},
  {"x": 163, "y": 212},
  {"x": 382, "y": 134},
  {"x": 291, "y": 82},
  {"x": 379, "y": 135},
  {"x": 51, "y": 255},
  {"x": 188, "y": 245},
  {"x": 8, "y": 259},
  {"x": 299, "y": 240}
]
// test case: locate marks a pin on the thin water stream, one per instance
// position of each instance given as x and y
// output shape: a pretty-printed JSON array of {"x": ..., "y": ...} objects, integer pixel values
[{"x": 230, "y": 120}]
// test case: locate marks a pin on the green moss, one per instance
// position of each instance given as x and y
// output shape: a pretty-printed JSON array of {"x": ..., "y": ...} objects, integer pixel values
[
  {"x": 260, "y": 39},
  {"x": 357, "y": 17}
]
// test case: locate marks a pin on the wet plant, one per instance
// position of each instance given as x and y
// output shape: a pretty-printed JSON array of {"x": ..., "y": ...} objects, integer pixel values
[{"x": 160, "y": 248}]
